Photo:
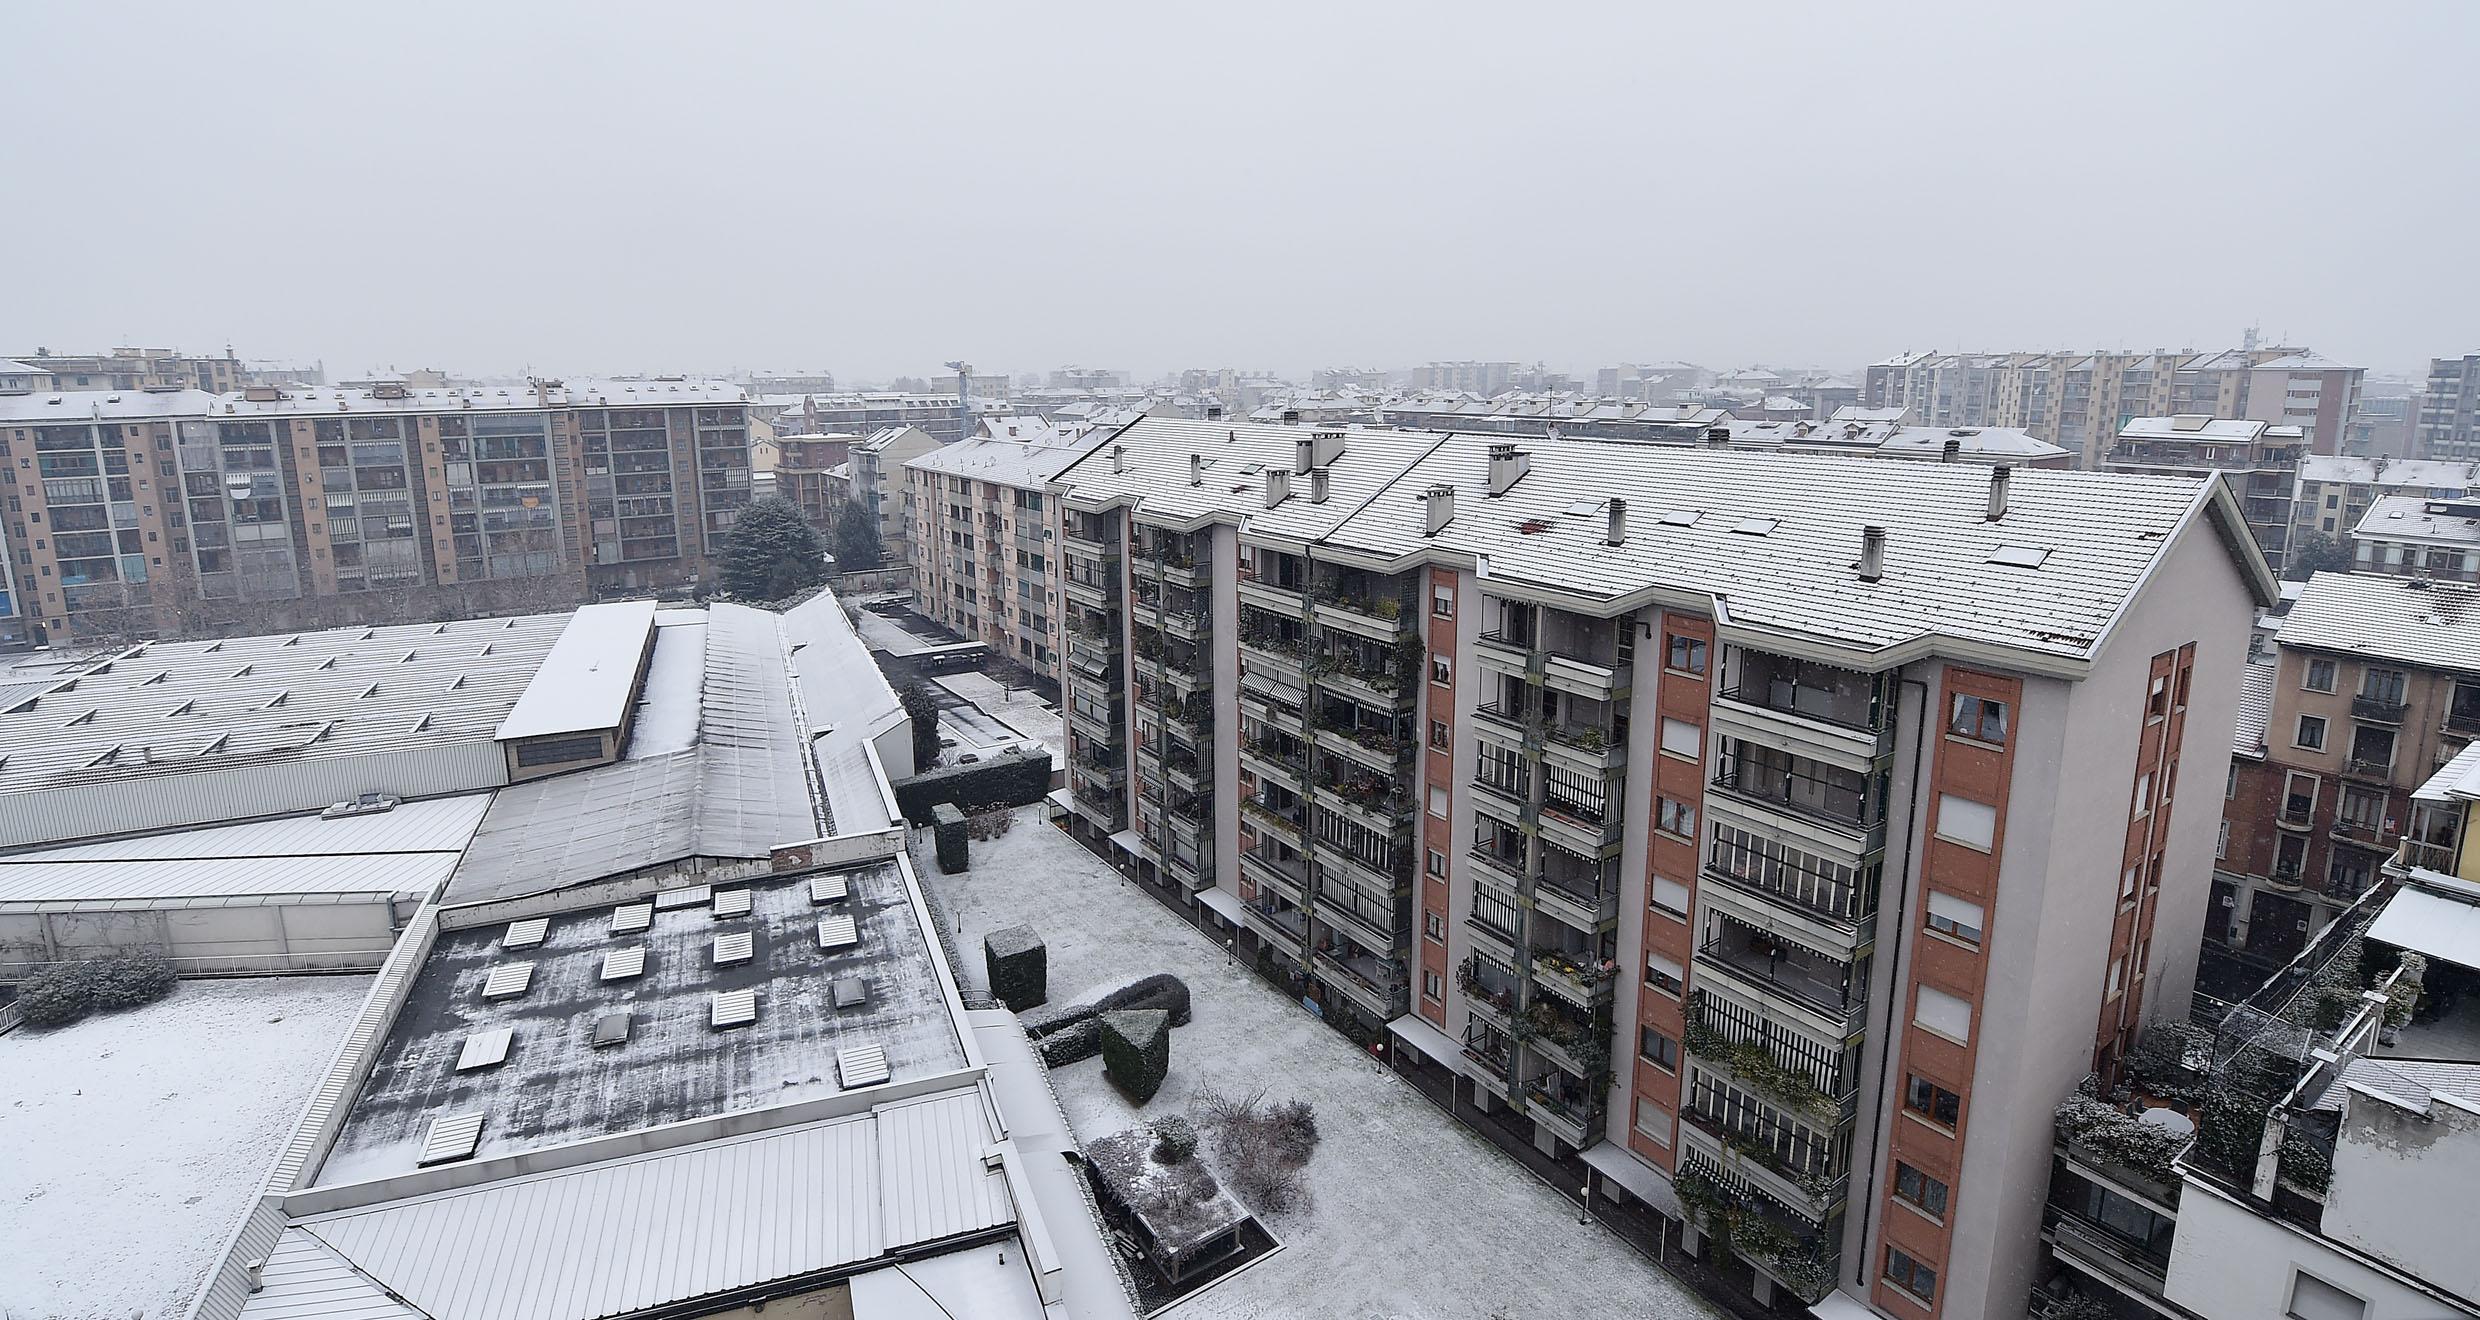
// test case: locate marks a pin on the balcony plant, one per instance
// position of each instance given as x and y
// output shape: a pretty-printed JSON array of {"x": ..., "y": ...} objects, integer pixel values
[
  {"x": 1739, "y": 1228},
  {"x": 1756, "y": 1065},
  {"x": 2109, "y": 1133}
]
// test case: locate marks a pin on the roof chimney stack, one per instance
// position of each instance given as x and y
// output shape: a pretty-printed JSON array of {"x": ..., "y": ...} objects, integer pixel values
[
  {"x": 1872, "y": 553},
  {"x": 1304, "y": 455},
  {"x": 1196, "y": 469},
  {"x": 1278, "y": 486},
  {"x": 1119, "y": 459},
  {"x": 1999, "y": 479},
  {"x": 1440, "y": 502},
  {"x": 1508, "y": 464},
  {"x": 1325, "y": 446},
  {"x": 1717, "y": 437},
  {"x": 1618, "y": 523},
  {"x": 1950, "y": 451},
  {"x": 1317, "y": 485},
  {"x": 1214, "y": 412},
  {"x": 1291, "y": 417}
]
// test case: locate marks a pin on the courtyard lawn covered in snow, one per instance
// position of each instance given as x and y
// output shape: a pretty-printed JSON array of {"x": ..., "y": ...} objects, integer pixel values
[
  {"x": 132, "y": 1143},
  {"x": 1410, "y": 1215}
]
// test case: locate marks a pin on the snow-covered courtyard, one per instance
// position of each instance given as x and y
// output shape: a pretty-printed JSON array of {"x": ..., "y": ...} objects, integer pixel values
[
  {"x": 132, "y": 1143},
  {"x": 1411, "y": 1215}
]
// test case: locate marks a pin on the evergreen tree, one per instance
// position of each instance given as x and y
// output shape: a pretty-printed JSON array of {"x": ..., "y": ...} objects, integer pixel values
[
  {"x": 857, "y": 547},
  {"x": 2318, "y": 554},
  {"x": 924, "y": 710},
  {"x": 772, "y": 552}
]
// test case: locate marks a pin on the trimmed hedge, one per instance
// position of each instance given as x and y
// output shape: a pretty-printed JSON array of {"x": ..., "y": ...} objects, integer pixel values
[
  {"x": 1015, "y": 963},
  {"x": 1011, "y": 778},
  {"x": 1136, "y": 1051},
  {"x": 1161, "y": 990},
  {"x": 948, "y": 832},
  {"x": 66, "y": 992},
  {"x": 1078, "y": 1041}
]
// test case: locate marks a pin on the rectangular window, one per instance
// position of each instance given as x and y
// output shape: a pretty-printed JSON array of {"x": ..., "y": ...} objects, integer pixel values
[
  {"x": 1438, "y": 803},
  {"x": 1962, "y": 820},
  {"x": 2311, "y": 734},
  {"x": 1932, "y": 1102},
  {"x": 1670, "y": 897},
  {"x": 1920, "y": 1190},
  {"x": 1686, "y": 654},
  {"x": 1659, "y": 1050},
  {"x": 1674, "y": 817},
  {"x": 1944, "y": 1014},
  {"x": 1441, "y": 669},
  {"x": 2221, "y": 843},
  {"x": 1439, "y": 738},
  {"x": 1434, "y": 926},
  {"x": 1949, "y": 915},
  {"x": 1433, "y": 987},
  {"x": 1442, "y": 602},
  {"x": 1664, "y": 974},
  {"x": 2314, "y": 1299},
  {"x": 2116, "y": 979},
  {"x": 2144, "y": 793},
  {"x": 1910, "y": 1275},
  {"x": 1437, "y": 864},
  {"x": 1978, "y": 718},
  {"x": 1654, "y": 1122},
  {"x": 1680, "y": 738}
]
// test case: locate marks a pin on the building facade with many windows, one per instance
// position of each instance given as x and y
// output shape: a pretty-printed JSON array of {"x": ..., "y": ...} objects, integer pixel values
[
  {"x": 1769, "y": 850},
  {"x": 982, "y": 544}
]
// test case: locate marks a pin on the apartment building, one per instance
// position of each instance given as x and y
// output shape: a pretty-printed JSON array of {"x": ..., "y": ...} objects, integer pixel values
[
  {"x": 2259, "y": 459},
  {"x": 2335, "y": 491},
  {"x": 875, "y": 477},
  {"x": 154, "y": 513},
  {"x": 983, "y": 551},
  {"x": 2416, "y": 536},
  {"x": 1766, "y": 856},
  {"x": 2446, "y": 424},
  {"x": 942, "y": 416},
  {"x": 803, "y": 464},
  {"x": 2373, "y": 685},
  {"x": 124, "y": 369}
]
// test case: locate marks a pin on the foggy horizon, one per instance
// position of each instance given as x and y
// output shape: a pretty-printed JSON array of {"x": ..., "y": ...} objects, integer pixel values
[{"x": 872, "y": 192}]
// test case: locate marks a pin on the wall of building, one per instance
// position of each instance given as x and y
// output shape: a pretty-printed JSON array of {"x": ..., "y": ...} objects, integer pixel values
[
  {"x": 2401, "y": 1188},
  {"x": 2230, "y": 1263}
]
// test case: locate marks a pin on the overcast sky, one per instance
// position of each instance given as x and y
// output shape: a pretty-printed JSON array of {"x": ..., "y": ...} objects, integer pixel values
[{"x": 873, "y": 189}]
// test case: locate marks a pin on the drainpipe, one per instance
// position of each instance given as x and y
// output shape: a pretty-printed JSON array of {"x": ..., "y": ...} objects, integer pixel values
[{"x": 1894, "y": 994}]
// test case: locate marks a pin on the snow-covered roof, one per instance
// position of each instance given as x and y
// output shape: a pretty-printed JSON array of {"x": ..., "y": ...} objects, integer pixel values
[
  {"x": 2432, "y": 625},
  {"x": 107, "y": 405},
  {"x": 2414, "y": 518},
  {"x": 1026, "y": 464},
  {"x": 588, "y": 678},
  {"x": 2457, "y": 780},
  {"x": 2432, "y": 922},
  {"x": 408, "y": 849},
  {"x": 2389, "y": 474},
  {"x": 2247, "y": 736},
  {"x": 2195, "y": 428},
  {"x": 2305, "y": 360},
  {"x": 332, "y": 400}
]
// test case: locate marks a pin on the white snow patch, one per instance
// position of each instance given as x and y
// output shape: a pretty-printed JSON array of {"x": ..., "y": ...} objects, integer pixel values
[
  {"x": 132, "y": 1143},
  {"x": 1412, "y": 1214},
  {"x": 667, "y": 713}
]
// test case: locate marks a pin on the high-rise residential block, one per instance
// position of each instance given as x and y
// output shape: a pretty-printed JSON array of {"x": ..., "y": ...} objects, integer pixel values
[
  {"x": 2447, "y": 423},
  {"x": 981, "y": 544}
]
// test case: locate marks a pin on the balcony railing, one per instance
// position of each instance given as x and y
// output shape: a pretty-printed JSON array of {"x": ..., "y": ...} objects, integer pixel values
[
  {"x": 2463, "y": 719},
  {"x": 2379, "y": 710},
  {"x": 1788, "y": 882},
  {"x": 1808, "y": 703},
  {"x": 2370, "y": 767},
  {"x": 2428, "y": 856},
  {"x": 1802, "y": 975},
  {"x": 1846, "y": 806}
]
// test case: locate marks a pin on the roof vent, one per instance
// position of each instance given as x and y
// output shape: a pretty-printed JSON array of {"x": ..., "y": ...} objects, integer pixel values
[
  {"x": 1508, "y": 465},
  {"x": 731, "y": 903},
  {"x": 1950, "y": 451},
  {"x": 861, "y": 1065},
  {"x": 1438, "y": 509},
  {"x": 485, "y": 1049},
  {"x": 2000, "y": 478},
  {"x": 1119, "y": 459},
  {"x": 1717, "y": 437},
  {"x": 611, "y": 1029},
  {"x": 451, "y": 1137},
  {"x": 508, "y": 980},
  {"x": 733, "y": 1008},
  {"x": 851, "y": 992},
  {"x": 1196, "y": 469},
  {"x": 1317, "y": 485},
  {"x": 1617, "y": 535},
  {"x": 625, "y": 964},
  {"x": 827, "y": 889},
  {"x": 525, "y": 934},
  {"x": 1326, "y": 445},
  {"x": 1214, "y": 412},
  {"x": 1291, "y": 417},
  {"x": 838, "y": 932},
  {"x": 1304, "y": 455},
  {"x": 1872, "y": 553},
  {"x": 630, "y": 918},
  {"x": 736, "y": 948},
  {"x": 681, "y": 898}
]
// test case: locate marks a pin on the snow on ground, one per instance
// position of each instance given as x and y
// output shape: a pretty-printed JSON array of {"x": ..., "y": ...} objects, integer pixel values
[
  {"x": 132, "y": 1144},
  {"x": 667, "y": 715},
  {"x": 1412, "y": 1214},
  {"x": 1022, "y": 710}
]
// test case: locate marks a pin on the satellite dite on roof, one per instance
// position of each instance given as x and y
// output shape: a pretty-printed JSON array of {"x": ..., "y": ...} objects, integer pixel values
[
  {"x": 508, "y": 980},
  {"x": 738, "y": 947},
  {"x": 630, "y": 918},
  {"x": 625, "y": 964},
  {"x": 525, "y": 934},
  {"x": 731, "y": 903},
  {"x": 861, "y": 1065},
  {"x": 734, "y": 1008},
  {"x": 837, "y": 932},
  {"x": 485, "y": 1049},
  {"x": 827, "y": 889},
  {"x": 611, "y": 1029},
  {"x": 681, "y": 898},
  {"x": 451, "y": 1137}
]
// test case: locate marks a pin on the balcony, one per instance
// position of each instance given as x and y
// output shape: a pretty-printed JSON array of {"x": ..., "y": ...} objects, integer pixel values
[
  {"x": 1268, "y": 759},
  {"x": 1505, "y": 718},
  {"x": 1286, "y": 927},
  {"x": 2428, "y": 856},
  {"x": 1371, "y": 747},
  {"x": 2105, "y": 1253},
  {"x": 1573, "y": 979},
  {"x": 2463, "y": 719},
  {"x": 1097, "y": 586},
  {"x": 1498, "y": 939},
  {"x": 1809, "y": 1198},
  {"x": 1366, "y": 980},
  {"x": 1565, "y": 1115},
  {"x": 1595, "y": 745},
  {"x": 1799, "y": 787},
  {"x": 1779, "y": 970},
  {"x": 1096, "y": 657},
  {"x": 2370, "y": 767},
  {"x": 2379, "y": 709},
  {"x": 1580, "y": 907},
  {"x": 1811, "y": 886},
  {"x": 1510, "y": 795},
  {"x": 1375, "y": 802},
  {"x": 1509, "y": 871},
  {"x": 1285, "y": 875},
  {"x": 1270, "y": 596},
  {"x": 1576, "y": 828},
  {"x": 1489, "y": 1047},
  {"x": 1372, "y": 686}
]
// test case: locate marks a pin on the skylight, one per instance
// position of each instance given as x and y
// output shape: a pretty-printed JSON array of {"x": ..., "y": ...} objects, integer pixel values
[
  {"x": 1679, "y": 518},
  {"x": 1756, "y": 526},
  {"x": 485, "y": 1049},
  {"x": 2019, "y": 556}
]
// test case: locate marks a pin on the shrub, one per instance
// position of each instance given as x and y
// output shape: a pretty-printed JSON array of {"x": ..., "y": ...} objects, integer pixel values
[
  {"x": 1175, "y": 1139},
  {"x": 1292, "y": 1131},
  {"x": 131, "y": 980},
  {"x": 1136, "y": 1051},
  {"x": 1262, "y": 1146},
  {"x": 1161, "y": 990},
  {"x": 66, "y": 992},
  {"x": 948, "y": 833},
  {"x": 1074, "y": 1043},
  {"x": 1015, "y": 963}
]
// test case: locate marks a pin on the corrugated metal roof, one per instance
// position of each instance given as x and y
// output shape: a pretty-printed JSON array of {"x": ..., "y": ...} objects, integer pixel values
[
  {"x": 2433, "y": 625},
  {"x": 436, "y": 825},
  {"x": 306, "y": 1280},
  {"x": 409, "y": 850},
  {"x": 2247, "y": 737},
  {"x": 588, "y": 678},
  {"x": 653, "y": 1230}
]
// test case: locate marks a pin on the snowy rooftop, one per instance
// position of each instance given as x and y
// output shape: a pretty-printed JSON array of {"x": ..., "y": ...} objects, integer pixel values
[
  {"x": 2414, "y": 518},
  {"x": 113, "y": 405},
  {"x": 2425, "y": 475},
  {"x": 2433, "y": 625},
  {"x": 555, "y": 1087},
  {"x": 2203, "y": 429},
  {"x": 588, "y": 678},
  {"x": 1888, "y": 438},
  {"x": 2247, "y": 736},
  {"x": 135, "y": 1141},
  {"x": 331, "y": 400},
  {"x": 1023, "y": 463}
]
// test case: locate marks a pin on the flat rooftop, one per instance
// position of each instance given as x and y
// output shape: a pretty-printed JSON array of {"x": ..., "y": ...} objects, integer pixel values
[
  {"x": 588, "y": 678},
  {"x": 135, "y": 1141},
  {"x": 555, "y": 1087},
  {"x": 408, "y": 849}
]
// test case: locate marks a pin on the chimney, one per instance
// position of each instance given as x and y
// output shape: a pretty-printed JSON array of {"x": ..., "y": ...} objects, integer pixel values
[
  {"x": 1999, "y": 479},
  {"x": 1196, "y": 469},
  {"x": 1325, "y": 446},
  {"x": 1278, "y": 486},
  {"x": 254, "y": 1273},
  {"x": 1214, "y": 412},
  {"x": 1617, "y": 534},
  {"x": 1872, "y": 553},
  {"x": 1507, "y": 465},
  {"x": 1717, "y": 437},
  {"x": 1950, "y": 451},
  {"x": 1119, "y": 459},
  {"x": 1304, "y": 455},
  {"x": 1291, "y": 417},
  {"x": 1317, "y": 485},
  {"x": 1440, "y": 500}
]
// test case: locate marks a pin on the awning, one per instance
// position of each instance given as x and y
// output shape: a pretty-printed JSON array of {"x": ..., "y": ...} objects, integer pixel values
[
  {"x": 1058, "y": 797},
  {"x": 1222, "y": 902},
  {"x": 1842, "y": 1306},
  {"x": 1133, "y": 843},
  {"x": 1639, "y": 1179},
  {"x": 2425, "y": 921},
  {"x": 1441, "y": 1048}
]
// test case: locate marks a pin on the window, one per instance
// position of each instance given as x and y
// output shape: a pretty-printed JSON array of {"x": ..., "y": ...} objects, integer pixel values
[
  {"x": 1944, "y": 1014},
  {"x": 1961, "y": 820},
  {"x": 1433, "y": 987},
  {"x": 1659, "y": 1050},
  {"x": 2381, "y": 685},
  {"x": 2362, "y": 808},
  {"x": 1654, "y": 1122},
  {"x": 1674, "y": 817},
  {"x": 2116, "y": 979},
  {"x": 1680, "y": 738},
  {"x": 1670, "y": 897},
  {"x": 2299, "y": 797},
  {"x": 1687, "y": 655},
  {"x": 2221, "y": 843},
  {"x": 1932, "y": 1101},
  {"x": 1663, "y": 974},
  {"x": 1442, "y": 602},
  {"x": 2372, "y": 748},
  {"x": 2144, "y": 793},
  {"x": 1438, "y": 803},
  {"x": 1439, "y": 739},
  {"x": 2157, "y": 698},
  {"x": 1978, "y": 718},
  {"x": 1952, "y": 916},
  {"x": 1437, "y": 864},
  {"x": 1910, "y": 1275},
  {"x": 1919, "y": 1190},
  {"x": 1434, "y": 926},
  {"x": 2314, "y": 1299},
  {"x": 2320, "y": 676},
  {"x": 1441, "y": 669}
]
